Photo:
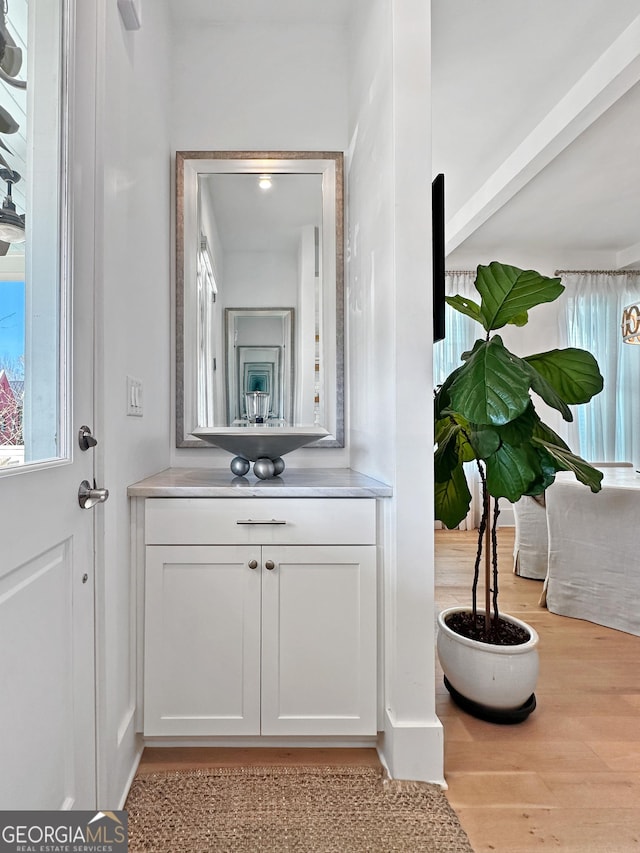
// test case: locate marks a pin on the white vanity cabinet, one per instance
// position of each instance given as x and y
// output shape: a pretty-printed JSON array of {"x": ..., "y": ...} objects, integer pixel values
[{"x": 260, "y": 616}]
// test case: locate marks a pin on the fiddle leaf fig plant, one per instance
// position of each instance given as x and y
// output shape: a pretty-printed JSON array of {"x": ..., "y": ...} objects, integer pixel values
[{"x": 484, "y": 412}]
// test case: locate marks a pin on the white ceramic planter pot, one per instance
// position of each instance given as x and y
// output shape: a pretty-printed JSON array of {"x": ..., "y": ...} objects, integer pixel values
[{"x": 500, "y": 677}]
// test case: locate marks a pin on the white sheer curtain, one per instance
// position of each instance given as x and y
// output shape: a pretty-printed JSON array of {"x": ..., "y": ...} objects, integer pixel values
[
  {"x": 607, "y": 429},
  {"x": 461, "y": 332}
]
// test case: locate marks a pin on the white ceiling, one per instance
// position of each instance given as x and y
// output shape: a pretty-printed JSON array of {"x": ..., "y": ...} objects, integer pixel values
[
  {"x": 250, "y": 219},
  {"x": 260, "y": 11},
  {"x": 587, "y": 198},
  {"x": 536, "y": 117},
  {"x": 533, "y": 82}
]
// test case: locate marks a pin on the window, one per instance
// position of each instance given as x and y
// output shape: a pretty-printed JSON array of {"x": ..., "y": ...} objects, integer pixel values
[
  {"x": 607, "y": 429},
  {"x": 461, "y": 332},
  {"x": 33, "y": 330}
]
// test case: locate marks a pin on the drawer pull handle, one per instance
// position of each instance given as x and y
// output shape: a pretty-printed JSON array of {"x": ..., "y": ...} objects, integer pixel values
[
  {"x": 259, "y": 521},
  {"x": 270, "y": 565}
]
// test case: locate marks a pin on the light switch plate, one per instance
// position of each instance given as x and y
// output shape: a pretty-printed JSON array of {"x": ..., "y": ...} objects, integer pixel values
[{"x": 134, "y": 397}]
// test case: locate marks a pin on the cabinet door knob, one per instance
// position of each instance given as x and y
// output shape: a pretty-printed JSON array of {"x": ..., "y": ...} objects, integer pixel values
[
  {"x": 253, "y": 564},
  {"x": 270, "y": 565}
]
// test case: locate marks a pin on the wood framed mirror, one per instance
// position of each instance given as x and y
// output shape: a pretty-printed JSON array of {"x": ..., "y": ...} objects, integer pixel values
[{"x": 256, "y": 231}]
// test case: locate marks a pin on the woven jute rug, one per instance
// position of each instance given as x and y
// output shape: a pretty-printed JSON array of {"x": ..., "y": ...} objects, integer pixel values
[{"x": 289, "y": 810}]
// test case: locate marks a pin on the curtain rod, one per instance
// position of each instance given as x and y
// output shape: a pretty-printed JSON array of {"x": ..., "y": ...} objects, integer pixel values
[{"x": 595, "y": 272}]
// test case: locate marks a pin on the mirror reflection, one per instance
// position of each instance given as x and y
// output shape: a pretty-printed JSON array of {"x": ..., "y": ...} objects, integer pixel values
[
  {"x": 259, "y": 361},
  {"x": 259, "y": 291}
]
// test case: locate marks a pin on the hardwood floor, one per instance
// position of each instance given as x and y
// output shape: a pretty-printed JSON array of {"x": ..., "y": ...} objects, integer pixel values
[
  {"x": 568, "y": 778},
  {"x": 180, "y": 758}
]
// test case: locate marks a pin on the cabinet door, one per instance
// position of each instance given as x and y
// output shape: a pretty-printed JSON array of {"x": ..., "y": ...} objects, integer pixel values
[
  {"x": 202, "y": 640},
  {"x": 319, "y": 640}
]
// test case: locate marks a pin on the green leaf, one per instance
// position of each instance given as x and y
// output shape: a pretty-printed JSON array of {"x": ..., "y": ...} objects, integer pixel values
[
  {"x": 466, "y": 452},
  {"x": 479, "y": 344},
  {"x": 507, "y": 292},
  {"x": 452, "y": 499},
  {"x": 541, "y": 430},
  {"x": 442, "y": 401},
  {"x": 521, "y": 429},
  {"x": 511, "y": 472},
  {"x": 444, "y": 430},
  {"x": 520, "y": 319},
  {"x": 573, "y": 373},
  {"x": 547, "y": 474},
  {"x": 491, "y": 387},
  {"x": 567, "y": 461},
  {"x": 548, "y": 393},
  {"x": 446, "y": 455},
  {"x": 484, "y": 442},
  {"x": 546, "y": 463},
  {"x": 454, "y": 430},
  {"x": 445, "y": 461},
  {"x": 465, "y": 306}
]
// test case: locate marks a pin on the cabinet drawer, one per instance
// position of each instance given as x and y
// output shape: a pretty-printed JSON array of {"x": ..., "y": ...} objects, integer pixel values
[{"x": 264, "y": 521}]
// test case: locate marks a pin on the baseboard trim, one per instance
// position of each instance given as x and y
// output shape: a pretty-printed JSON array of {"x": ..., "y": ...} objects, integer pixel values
[
  {"x": 413, "y": 750},
  {"x": 132, "y": 773}
]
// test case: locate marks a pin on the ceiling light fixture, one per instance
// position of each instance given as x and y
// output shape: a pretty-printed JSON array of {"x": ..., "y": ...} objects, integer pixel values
[
  {"x": 265, "y": 182},
  {"x": 11, "y": 224}
]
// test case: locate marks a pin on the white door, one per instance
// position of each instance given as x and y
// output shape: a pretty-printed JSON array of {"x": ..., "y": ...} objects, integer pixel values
[{"x": 47, "y": 673}]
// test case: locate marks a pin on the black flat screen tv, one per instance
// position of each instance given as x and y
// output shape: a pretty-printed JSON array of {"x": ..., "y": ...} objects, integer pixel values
[{"x": 437, "y": 225}]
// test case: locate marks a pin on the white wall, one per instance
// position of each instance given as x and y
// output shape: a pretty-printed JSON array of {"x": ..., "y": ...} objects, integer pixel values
[
  {"x": 258, "y": 86},
  {"x": 233, "y": 87},
  {"x": 370, "y": 274},
  {"x": 133, "y": 332},
  {"x": 390, "y": 350},
  {"x": 277, "y": 273}
]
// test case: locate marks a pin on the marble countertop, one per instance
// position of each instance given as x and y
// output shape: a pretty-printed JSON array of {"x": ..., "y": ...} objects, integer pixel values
[{"x": 293, "y": 483}]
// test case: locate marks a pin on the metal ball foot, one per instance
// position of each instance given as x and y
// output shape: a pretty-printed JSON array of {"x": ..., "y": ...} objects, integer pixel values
[
  {"x": 264, "y": 468},
  {"x": 239, "y": 466}
]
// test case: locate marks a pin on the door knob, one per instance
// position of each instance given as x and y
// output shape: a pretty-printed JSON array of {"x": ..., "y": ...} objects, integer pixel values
[
  {"x": 270, "y": 565},
  {"x": 253, "y": 564},
  {"x": 88, "y": 497}
]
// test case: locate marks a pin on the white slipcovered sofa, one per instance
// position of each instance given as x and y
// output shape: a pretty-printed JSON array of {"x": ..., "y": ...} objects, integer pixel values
[
  {"x": 531, "y": 545},
  {"x": 594, "y": 569}
]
